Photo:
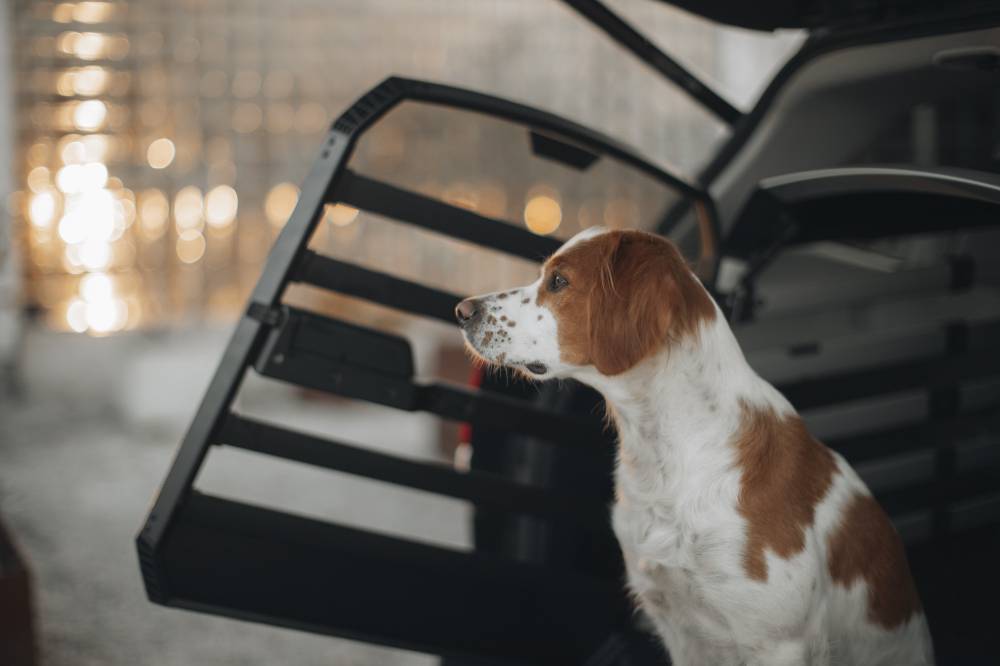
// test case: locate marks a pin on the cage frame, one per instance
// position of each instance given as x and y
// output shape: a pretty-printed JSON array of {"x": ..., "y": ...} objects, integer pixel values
[{"x": 210, "y": 554}]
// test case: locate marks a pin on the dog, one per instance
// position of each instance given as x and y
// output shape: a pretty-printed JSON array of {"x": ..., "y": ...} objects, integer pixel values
[{"x": 745, "y": 540}]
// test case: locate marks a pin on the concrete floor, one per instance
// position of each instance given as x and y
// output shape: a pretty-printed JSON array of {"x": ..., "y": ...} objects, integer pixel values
[{"x": 82, "y": 453}]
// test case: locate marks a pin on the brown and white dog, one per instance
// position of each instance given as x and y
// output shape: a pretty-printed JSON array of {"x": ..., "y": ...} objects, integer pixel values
[{"x": 746, "y": 541}]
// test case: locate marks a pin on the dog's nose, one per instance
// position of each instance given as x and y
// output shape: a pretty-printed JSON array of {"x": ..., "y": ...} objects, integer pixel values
[{"x": 466, "y": 311}]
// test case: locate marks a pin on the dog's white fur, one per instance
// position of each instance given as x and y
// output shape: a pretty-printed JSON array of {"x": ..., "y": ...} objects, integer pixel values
[{"x": 676, "y": 517}]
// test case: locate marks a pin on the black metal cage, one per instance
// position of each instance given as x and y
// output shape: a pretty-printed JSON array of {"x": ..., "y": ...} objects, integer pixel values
[{"x": 211, "y": 554}]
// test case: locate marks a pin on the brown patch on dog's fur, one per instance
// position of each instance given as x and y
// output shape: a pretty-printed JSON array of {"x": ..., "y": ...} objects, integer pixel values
[
  {"x": 785, "y": 473},
  {"x": 867, "y": 546},
  {"x": 629, "y": 293}
]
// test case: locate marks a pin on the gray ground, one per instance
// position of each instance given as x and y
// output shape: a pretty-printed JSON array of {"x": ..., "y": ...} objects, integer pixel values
[{"x": 82, "y": 454}]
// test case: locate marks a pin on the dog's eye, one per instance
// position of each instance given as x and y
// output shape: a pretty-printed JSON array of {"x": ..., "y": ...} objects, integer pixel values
[{"x": 557, "y": 282}]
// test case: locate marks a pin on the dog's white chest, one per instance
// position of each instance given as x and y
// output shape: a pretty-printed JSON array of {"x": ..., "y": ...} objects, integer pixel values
[
  {"x": 659, "y": 547},
  {"x": 669, "y": 572},
  {"x": 654, "y": 533},
  {"x": 673, "y": 541},
  {"x": 658, "y": 552}
]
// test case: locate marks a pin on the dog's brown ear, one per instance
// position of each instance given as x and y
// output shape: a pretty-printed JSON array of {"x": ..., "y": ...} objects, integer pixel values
[
  {"x": 629, "y": 307},
  {"x": 646, "y": 296}
]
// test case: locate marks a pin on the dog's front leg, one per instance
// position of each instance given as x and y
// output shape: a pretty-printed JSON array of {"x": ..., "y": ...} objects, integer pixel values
[{"x": 687, "y": 647}]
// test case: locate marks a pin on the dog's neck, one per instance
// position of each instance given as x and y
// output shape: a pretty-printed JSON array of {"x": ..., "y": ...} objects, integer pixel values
[{"x": 680, "y": 408}]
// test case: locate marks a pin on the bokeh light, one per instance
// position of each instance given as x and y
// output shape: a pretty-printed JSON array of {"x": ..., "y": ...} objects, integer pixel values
[
  {"x": 221, "y": 205},
  {"x": 160, "y": 153},
  {"x": 73, "y": 152},
  {"x": 188, "y": 207},
  {"x": 76, "y": 315},
  {"x": 280, "y": 203},
  {"x": 99, "y": 309},
  {"x": 88, "y": 81},
  {"x": 154, "y": 210},
  {"x": 39, "y": 179},
  {"x": 42, "y": 208},
  {"x": 107, "y": 316},
  {"x": 89, "y": 45},
  {"x": 190, "y": 246},
  {"x": 89, "y": 114},
  {"x": 89, "y": 11},
  {"x": 247, "y": 117},
  {"x": 340, "y": 215},
  {"x": 63, "y": 12},
  {"x": 542, "y": 214}
]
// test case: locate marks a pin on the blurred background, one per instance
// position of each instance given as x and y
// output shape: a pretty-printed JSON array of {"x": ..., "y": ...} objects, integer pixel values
[{"x": 150, "y": 151}]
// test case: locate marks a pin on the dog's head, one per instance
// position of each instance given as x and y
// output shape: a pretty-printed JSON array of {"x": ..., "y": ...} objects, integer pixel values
[{"x": 605, "y": 300}]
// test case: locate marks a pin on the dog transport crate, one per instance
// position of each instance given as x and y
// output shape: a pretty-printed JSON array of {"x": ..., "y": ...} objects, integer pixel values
[
  {"x": 206, "y": 553},
  {"x": 507, "y": 602}
]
